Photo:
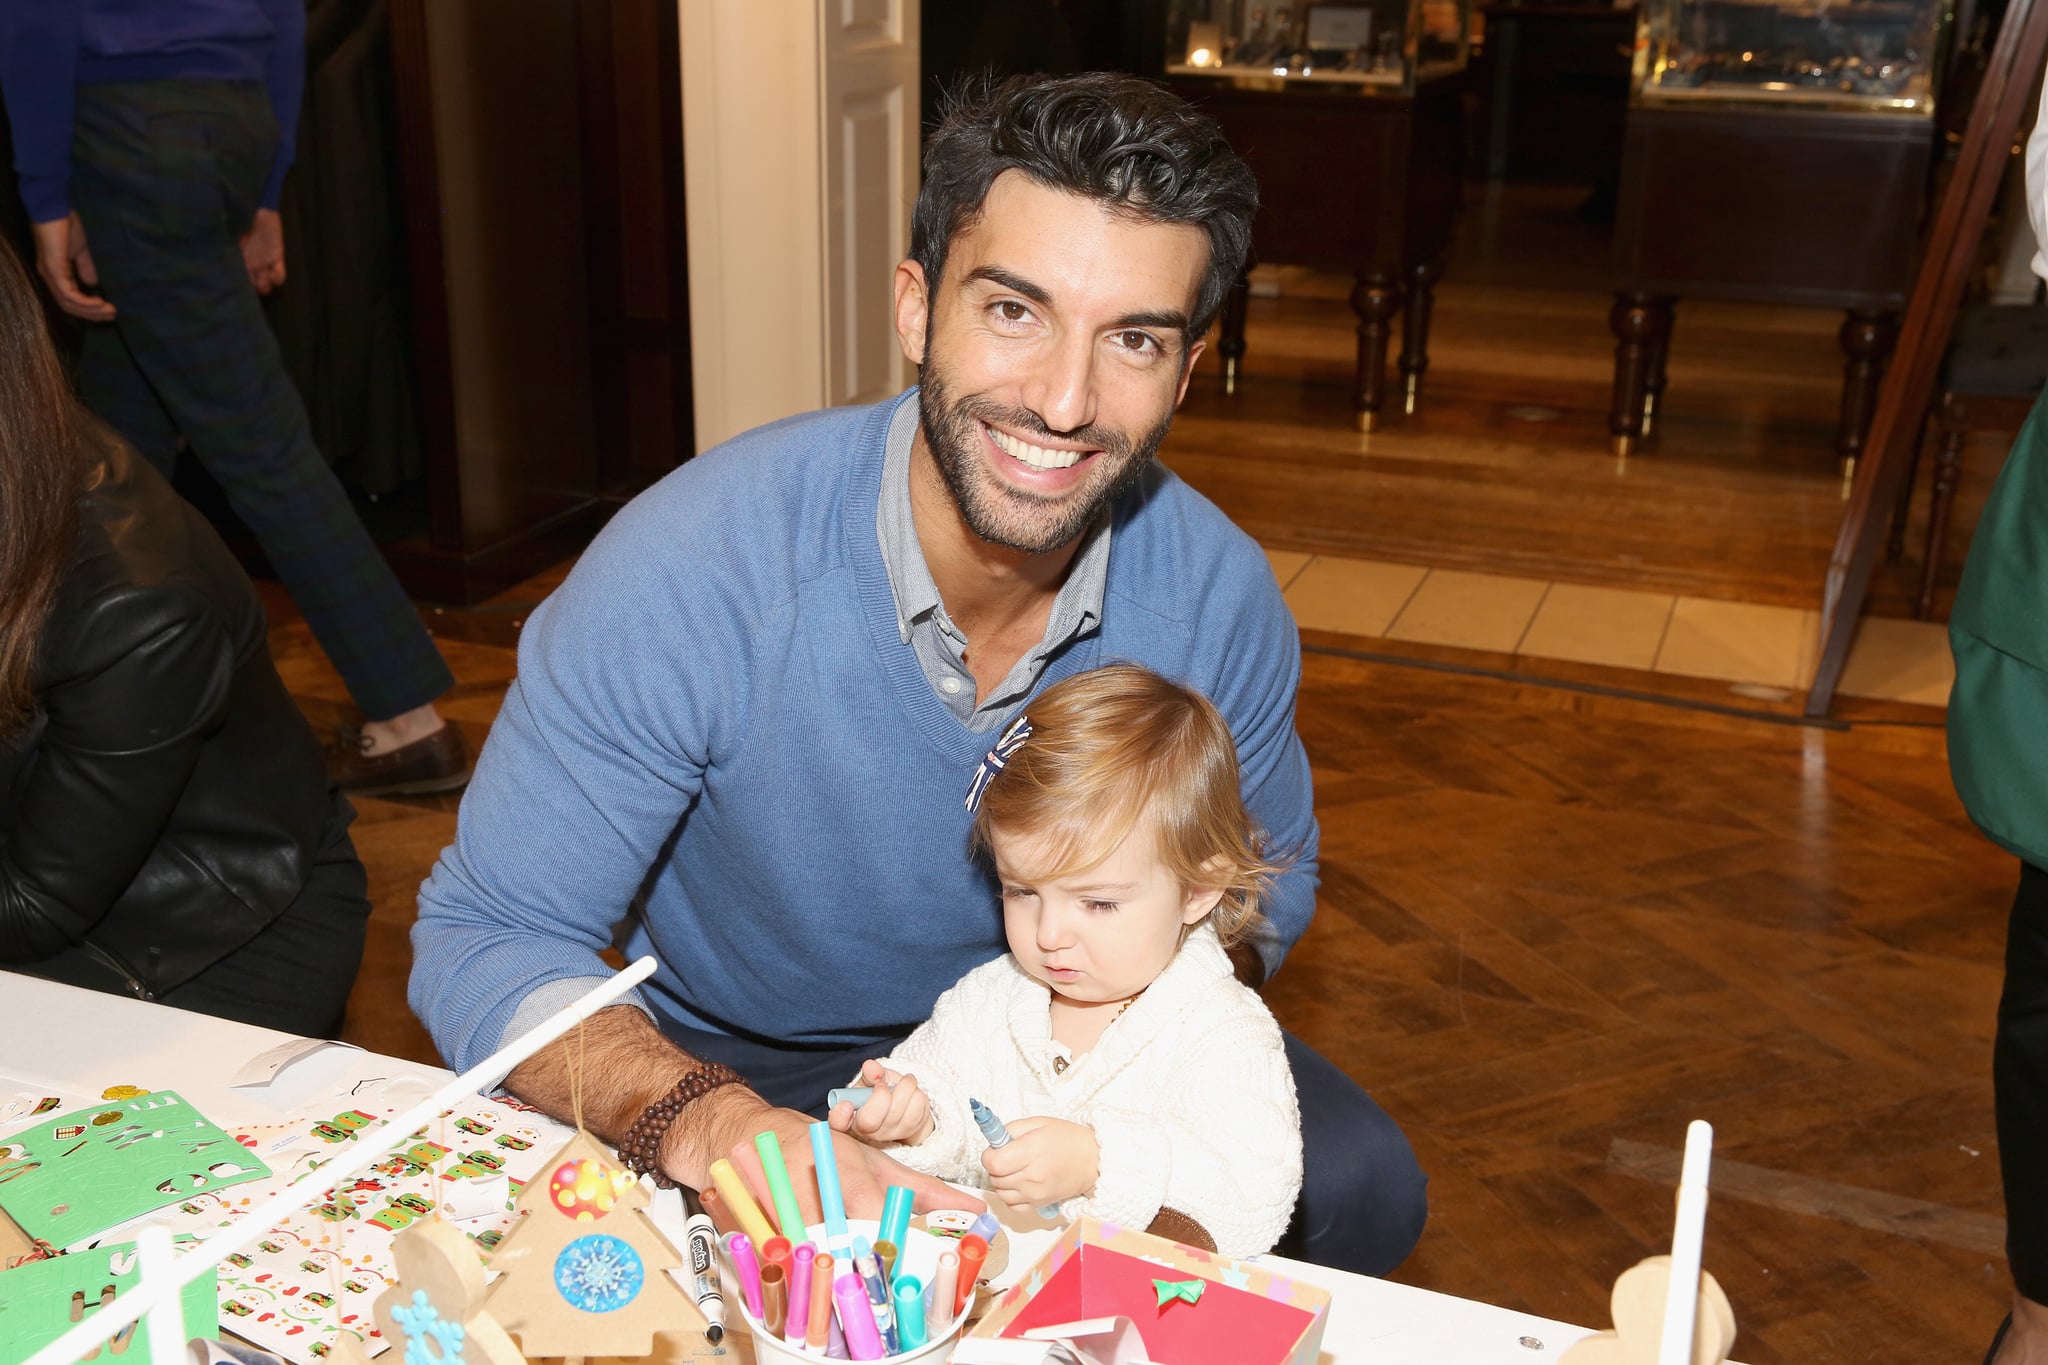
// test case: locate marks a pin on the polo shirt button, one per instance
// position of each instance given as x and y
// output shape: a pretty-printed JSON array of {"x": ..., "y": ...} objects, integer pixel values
[{"x": 950, "y": 686}]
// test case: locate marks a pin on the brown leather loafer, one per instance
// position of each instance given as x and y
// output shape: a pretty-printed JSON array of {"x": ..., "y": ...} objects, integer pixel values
[{"x": 437, "y": 763}]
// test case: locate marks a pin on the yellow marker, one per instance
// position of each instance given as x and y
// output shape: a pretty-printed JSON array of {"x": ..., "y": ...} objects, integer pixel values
[{"x": 740, "y": 1201}]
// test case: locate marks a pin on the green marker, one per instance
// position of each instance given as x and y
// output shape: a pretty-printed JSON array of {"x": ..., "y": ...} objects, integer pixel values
[{"x": 792, "y": 1221}]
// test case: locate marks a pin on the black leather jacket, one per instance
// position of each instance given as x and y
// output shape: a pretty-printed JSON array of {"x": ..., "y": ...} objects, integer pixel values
[{"x": 168, "y": 800}]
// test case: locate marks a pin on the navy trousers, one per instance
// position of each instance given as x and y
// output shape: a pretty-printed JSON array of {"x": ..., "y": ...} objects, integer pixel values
[
  {"x": 1362, "y": 1202},
  {"x": 166, "y": 176}
]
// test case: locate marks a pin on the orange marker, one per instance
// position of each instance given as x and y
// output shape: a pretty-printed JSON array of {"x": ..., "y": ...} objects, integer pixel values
[
  {"x": 973, "y": 1251},
  {"x": 820, "y": 1333}
]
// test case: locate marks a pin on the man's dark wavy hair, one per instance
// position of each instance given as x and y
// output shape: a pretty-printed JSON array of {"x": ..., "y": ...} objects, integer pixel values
[{"x": 1123, "y": 142}]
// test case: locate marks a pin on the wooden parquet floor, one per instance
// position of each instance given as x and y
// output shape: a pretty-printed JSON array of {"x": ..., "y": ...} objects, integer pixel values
[
  {"x": 1505, "y": 467},
  {"x": 1554, "y": 927}
]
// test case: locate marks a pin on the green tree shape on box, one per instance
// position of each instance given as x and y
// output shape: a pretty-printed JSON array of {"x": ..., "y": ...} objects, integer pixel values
[{"x": 583, "y": 1272}]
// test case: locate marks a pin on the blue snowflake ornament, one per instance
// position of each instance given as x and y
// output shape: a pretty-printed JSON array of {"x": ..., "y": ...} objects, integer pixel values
[
  {"x": 423, "y": 1323},
  {"x": 598, "y": 1274}
]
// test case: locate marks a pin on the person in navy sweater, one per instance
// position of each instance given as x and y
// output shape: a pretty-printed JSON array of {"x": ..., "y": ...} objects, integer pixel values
[
  {"x": 151, "y": 141},
  {"x": 743, "y": 729}
]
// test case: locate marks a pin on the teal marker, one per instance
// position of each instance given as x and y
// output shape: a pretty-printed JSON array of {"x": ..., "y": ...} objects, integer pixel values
[
  {"x": 999, "y": 1136},
  {"x": 909, "y": 1295},
  {"x": 855, "y": 1095},
  {"x": 896, "y": 1215},
  {"x": 826, "y": 1160}
]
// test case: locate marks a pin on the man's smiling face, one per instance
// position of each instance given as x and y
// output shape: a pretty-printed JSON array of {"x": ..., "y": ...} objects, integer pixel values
[{"x": 1054, "y": 357}]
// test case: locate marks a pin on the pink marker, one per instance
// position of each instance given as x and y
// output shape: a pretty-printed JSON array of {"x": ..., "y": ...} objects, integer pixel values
[
  {"x": 800, "y": 1291},
  {"x": 856, "y": 1319},
  {"x": 748, "y": 1266}
]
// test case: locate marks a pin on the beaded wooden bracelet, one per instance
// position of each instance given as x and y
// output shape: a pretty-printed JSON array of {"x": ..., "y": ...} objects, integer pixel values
[{"x": 640, "y": 1148}]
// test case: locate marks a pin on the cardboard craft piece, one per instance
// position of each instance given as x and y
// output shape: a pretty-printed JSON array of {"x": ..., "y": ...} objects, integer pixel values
[
  {"x": 584, "y": 1272},
  {"x": 436, "y": 1310},
  {"x": 70, "y": 1176},
  {"x": 1244, "y": 1315},
  {"x": 1638, "y": 1307},
  {"x": 39, "y": 1300}
]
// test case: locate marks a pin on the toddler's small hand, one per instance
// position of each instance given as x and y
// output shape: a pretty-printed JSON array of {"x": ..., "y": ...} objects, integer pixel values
[
  {"x": 897, "y": 1111},
  {"x": 1046, "y": 1161}
]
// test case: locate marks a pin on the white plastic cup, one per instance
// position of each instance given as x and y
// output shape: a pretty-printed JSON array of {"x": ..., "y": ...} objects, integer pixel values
[{"x": 919, "y": 1256}]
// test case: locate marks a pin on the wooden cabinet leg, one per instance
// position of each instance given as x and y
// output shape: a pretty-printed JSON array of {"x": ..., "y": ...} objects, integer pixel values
[
  {"x": 1230, "y": 339},
  {"x": 1642, "y": 327},
  {"x": 1375, "y": 298},
  {"x": 1866, "y": 340},
  {"x": 1660, "y": 355},
  {"x": 1415, "y": 313},
  {"x": 1948, "y": 471}
]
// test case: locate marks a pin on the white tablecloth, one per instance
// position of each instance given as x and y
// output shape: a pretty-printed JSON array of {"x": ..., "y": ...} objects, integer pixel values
[{"x": 80, "y": 1042}]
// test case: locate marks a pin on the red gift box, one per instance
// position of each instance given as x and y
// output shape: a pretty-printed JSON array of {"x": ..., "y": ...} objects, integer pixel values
[{"x": 1244, "y": 1315}]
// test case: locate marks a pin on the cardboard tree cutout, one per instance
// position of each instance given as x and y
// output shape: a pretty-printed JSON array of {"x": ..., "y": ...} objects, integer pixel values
[
  {"x": 1638, "y": 1305},
  {"x": 584, "y": 1272},
  {"x": 435, "y": 1314}
]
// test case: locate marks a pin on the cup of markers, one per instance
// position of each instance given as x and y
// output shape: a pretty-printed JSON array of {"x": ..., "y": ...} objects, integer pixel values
[
  {"x": 854, "y": 1307},
  {"x": 861, "y": 1289}
]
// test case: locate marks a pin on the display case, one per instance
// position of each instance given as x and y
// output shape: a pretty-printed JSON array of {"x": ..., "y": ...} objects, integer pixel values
[
  {"x": 1385, "y": 46},
  {"x": 1857, "y": 55}
]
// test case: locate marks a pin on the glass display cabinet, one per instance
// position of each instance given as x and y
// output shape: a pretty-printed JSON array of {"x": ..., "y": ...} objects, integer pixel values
[
  {"x": 1389, "y": 45},
  {"x": 1352, "y": 117},
  {"x": 1854, "y": 55},
  {"x": 1777, "y": 151}
]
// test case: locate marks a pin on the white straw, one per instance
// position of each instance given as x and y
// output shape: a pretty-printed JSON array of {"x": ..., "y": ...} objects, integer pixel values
[
  {"x": 1682, "y": 1302},
  {"x": 151, "y": 1291}
]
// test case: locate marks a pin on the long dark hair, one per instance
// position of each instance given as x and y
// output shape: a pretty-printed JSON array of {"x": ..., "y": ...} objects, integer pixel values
[
  {"x": 39, "y": 484},
  {"x": 1118, "y": 140}
]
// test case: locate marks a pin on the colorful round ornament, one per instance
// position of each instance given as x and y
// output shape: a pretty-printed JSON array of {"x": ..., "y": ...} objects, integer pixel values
[
  {"x": 585, "y": 1190},
  {"x": 598, "y": 1274}
]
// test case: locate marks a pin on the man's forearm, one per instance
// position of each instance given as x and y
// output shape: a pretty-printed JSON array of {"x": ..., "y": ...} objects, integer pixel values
[{"x": 625, "y": 1063}]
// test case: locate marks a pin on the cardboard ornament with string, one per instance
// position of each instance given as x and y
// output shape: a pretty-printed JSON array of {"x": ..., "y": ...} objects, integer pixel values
[{"x": 584, "y": 1272}]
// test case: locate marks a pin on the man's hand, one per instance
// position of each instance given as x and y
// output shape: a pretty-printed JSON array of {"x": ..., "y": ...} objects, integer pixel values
[
  {"x": 66, "y": 267},
  {"x": 263, "y": 251},
  {"x": 1045, "y": 1161},
  {"x": 897, "y": 1112},
  {"x": 724, "y": 1123}
]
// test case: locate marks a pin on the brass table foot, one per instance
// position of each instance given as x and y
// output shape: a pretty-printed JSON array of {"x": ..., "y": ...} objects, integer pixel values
[
  {"x": 1622, "y": 446},
  {"x": 1414, "y": 392},
  {"x": 1367, "y": 421},
  {"x": 1230, "y": 375}
]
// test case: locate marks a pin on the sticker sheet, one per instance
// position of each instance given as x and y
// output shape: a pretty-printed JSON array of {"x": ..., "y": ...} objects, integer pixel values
[
  {"x": 41, "y": 1299},
  {"x": 67, "y": 1177},
  {"x": 318, "y": 1274}
]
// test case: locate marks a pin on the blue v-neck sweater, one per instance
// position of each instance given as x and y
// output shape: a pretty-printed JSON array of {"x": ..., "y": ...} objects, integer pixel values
[{"x": 716, "y": 720}]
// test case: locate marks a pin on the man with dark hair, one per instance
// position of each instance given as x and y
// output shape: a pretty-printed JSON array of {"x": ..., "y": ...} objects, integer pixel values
[{"x": 827, "y": 622}]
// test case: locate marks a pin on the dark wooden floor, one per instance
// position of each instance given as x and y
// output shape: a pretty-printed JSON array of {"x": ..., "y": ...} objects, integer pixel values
[{"x": 1555, "y": 925}]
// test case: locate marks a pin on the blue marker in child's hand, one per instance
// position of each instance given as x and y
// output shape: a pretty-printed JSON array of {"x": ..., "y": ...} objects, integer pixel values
[
  {"x": 999, "y": 1136},
  {"x": 855, "y": 1095}
]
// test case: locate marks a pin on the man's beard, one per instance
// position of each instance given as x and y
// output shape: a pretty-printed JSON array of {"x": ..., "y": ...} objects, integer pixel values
[{"x": 1010, "y": 517}]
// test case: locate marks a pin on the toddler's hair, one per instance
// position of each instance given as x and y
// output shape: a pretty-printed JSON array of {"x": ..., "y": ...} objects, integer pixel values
[{"x": 1107, "y": 748}]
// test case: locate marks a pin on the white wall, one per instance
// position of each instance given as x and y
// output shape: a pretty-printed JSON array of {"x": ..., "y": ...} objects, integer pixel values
[{"x": 800, "y": 164}]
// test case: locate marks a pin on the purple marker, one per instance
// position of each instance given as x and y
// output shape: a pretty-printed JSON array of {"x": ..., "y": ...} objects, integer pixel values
[
  {"x": 856, "y": 1319},
  {"x": 800, "y": 1289},
  {"x": 748, "y": 1267}
]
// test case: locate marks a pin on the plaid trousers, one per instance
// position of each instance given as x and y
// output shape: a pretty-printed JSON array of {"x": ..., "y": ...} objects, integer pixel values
[{"x": 166, "y": 176}]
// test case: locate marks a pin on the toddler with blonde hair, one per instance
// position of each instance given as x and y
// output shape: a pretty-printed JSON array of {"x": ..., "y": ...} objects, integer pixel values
[{"x": 1142, "y": 1082}]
